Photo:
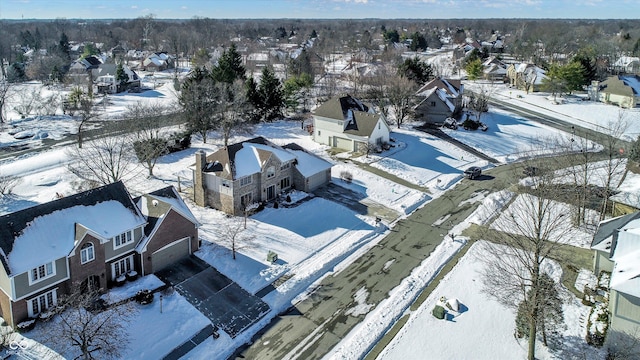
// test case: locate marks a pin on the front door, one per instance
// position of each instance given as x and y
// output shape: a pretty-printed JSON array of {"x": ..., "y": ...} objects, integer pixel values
[{"x": 271, "y": 192}]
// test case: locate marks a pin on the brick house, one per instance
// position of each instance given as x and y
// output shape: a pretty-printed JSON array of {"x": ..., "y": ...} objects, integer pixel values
[
  {"x": 254, "y": 171},
  {"x": 93, "y": 238}
]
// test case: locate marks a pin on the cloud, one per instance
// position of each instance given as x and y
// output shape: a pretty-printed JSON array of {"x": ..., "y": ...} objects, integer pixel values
[
  {"x": 134, "y": 6},
  {"x": 353, "y": 1}
]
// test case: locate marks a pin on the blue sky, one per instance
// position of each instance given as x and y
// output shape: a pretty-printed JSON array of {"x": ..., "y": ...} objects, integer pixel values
[{"x": 328, "y": 9}]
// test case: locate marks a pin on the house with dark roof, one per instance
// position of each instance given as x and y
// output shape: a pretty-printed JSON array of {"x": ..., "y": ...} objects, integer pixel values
[
  {"x": 95, "y": 238},
  {"x": 439, "y": 99},
  {"x": 347, "y": 123},
  {"x": 616, "y": 246},
  {"x": 107, "y": 83},
  {"x": 621, "y": 90},
  {"x": 254, "y": 171}
]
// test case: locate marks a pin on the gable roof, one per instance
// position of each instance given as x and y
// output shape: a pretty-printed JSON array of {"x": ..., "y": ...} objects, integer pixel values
[
  {"x": 359, "y": 118},
  {"x": 51, "y": 227},
  {"x": 244, "y": 158},
  {"x": 450, "y": 86},
  {"x": 111, "y": 69},
  {"x": 602, "y": 240},
  {"x": 156, "y": 205},
  {"x": 628, "y": 85}
]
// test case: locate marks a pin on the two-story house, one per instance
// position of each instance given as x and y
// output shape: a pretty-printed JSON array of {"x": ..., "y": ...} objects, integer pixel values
[
  {"x": 90, "y": 239},
  {"x": 254, "y": 171},
  {"x": 616, "y": 247},
  {"x": 438, "y": 100},
  {"x": 347, "y": 123},
  {"x": 106, "y": 82}
]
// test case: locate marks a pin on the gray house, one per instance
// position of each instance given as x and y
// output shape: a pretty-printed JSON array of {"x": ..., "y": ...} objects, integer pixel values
[
  {"x": 254, "y": 171},
  {"x": 617, "y": 250},
  {"x": 438, "y": 100},
  {"x": 96, "y": 238}
]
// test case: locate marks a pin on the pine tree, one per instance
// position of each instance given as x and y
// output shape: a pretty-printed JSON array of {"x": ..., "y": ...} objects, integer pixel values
[
  {"x": 267, "y": 97},
  {"x": 63, "y": 46},
  {"x": 229, "y": 66},
  {"x": 121, "y": 76}
]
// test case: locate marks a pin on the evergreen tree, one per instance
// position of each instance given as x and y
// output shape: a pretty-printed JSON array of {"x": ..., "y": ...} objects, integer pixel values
[
  {"x": 229, "y": 66},
  {"x": 391, "y": 36},
  {"x": 314, "y": 34},
  {"x": 587, "y": 59},
  {"x": 63, "y": 46},
  {"x": 549, "y": 310},
  {"x": 121, "y": 76},
  {"x": 474, "y": 69},
  {"x": 199, "y": 97},
  {"x": 301, "y": 64},
  {"x": 418, "y": 42},
  {"x": 416, "y": 70},
  {"x": 267, "y": 97}
]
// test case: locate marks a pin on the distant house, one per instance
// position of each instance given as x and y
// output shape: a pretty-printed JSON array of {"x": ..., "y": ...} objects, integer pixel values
[
  {"x": 347, "y": 123},
  {"x": 616, "y": 245},
  {"x": 438, "y": 100},
  {"x": 622, "y": 90},
  {"x": 627, "y": 64},
  {"x": 94, "y": 238},
  {"x": 494, "y": 69},
  {"x": 524, "y": 76},
  {"x": 255, "y": 171},
  {"x": 158, "y": 61},
  {"x": 81, "y": 69},
  {"x": 107, "y": 83}
]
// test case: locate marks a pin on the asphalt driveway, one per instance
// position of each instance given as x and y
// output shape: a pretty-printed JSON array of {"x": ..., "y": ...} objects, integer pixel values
[{"x": 225, "y": 303}]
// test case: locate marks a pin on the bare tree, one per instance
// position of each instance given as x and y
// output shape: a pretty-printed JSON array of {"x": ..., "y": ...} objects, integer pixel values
[
  {"x": 85, "y": 112},
  {"x": 149, "y": 141},
  {"x": 479, "y": 100},
  {"x": 615, "y": 161},
  {"x": 233, "y": 110},
  {"x": 401, "y": 93},
  {"x": 5, "y": 94},
  {"x": 530, "y": 230},
  {"x": 82, "y": 327},
  {"x": 103, "y": 161},
  {"x": 233, "y": 235}
]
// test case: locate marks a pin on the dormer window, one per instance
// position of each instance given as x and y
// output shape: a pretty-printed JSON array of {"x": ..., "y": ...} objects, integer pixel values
[
  {"x": 123, "y": 239},
  {"x": 271, "y": 172},
  {"x": 42, "y": 272},
  {"x": 285, "y": 166}
]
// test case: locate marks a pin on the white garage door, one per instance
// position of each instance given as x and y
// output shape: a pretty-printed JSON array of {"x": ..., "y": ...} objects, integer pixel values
[
  {"x": 316, "y": 180},
  {"x": 169, "y": 254},
  {"x": 342, "y": 143}
]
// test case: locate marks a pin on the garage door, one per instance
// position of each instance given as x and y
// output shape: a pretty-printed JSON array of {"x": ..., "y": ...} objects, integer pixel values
[
  {"x": 342, "y": 143},
  {"x": 169, "y": 254},
  {"x": 316, "y": 180}
]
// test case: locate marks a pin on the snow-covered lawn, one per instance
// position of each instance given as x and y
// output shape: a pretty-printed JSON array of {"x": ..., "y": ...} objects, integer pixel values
[{"x": 483, "y": 328}]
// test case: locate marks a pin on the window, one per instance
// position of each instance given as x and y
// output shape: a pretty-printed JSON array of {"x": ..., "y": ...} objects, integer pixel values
[
  {"x": 42, "y": 302},
  {"x": 319, "y": 133},
  {"x": 245, "y": 181},
  {"x": 271, "y": 172},
  {"x": 86, "y": 253},
  {"x": 246, "y": 199},
  {"x": 123, "y": 239},
  {"x": 433, "y": 103},
  {"x": 43, "y": 272},
  {"x": 121, "y": 267},
  {"x": 285, "y": 183},
  {"x": 285, "y": 166},
  {"x": 226, "y": 183}
]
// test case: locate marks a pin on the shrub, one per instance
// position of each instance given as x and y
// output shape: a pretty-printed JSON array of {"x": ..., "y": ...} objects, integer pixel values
[
  {"x": 275, "y": 205},
  {"x": 144, "y": 297},
  {"x": 288, "y": 198},
  {"x": 470, "y": 125},
  {"x": 346, "y": 176},
  {"x": 438, "y": 312}
]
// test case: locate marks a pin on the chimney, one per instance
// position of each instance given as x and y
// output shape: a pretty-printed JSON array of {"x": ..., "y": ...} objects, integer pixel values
[{"x": 199, "y": 191}]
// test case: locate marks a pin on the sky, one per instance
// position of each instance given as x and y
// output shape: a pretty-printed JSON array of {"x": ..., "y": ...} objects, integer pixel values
[{"x": 327, "y": 9}]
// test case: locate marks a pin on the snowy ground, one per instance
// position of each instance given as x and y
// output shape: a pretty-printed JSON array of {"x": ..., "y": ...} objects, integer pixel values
[
  {"x": 308, "y": 249},
  {"x": 482, "y": 327}
]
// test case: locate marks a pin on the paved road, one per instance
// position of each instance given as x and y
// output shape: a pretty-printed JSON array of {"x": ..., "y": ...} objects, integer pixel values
[{"x": 314, "y": 326}]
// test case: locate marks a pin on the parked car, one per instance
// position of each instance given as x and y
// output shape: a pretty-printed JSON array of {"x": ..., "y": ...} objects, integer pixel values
[
  {"x": 472, "y": 172},
  {"x": 450, "y": 123}
]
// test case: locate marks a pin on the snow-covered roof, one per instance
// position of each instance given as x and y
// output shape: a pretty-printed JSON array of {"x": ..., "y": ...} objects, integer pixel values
[
  {"x": 51, "y": 227},
  {"x": 625, "y": 61},
  {"x": 443, "y": 96},
  {"x": 248, "y": 160},
  {"x": 309, "y": 164},
  {"x": 633, "y": 82},
  {"x": 625, "y": 276}
]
